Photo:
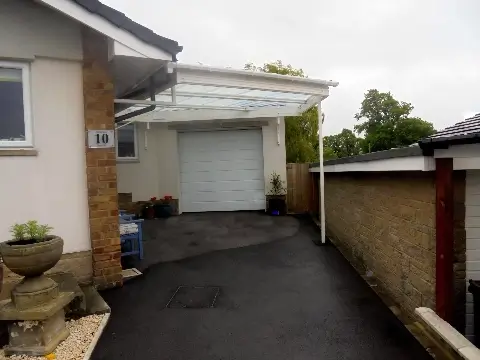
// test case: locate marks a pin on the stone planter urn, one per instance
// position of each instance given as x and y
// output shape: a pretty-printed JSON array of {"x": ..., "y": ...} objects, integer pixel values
[
  {"x": 31, "y": 259},
  {"x": 35, "y": 311}
]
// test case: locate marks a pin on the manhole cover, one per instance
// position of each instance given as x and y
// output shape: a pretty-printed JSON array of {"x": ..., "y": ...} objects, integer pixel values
[{"x": 194, "y": 297}]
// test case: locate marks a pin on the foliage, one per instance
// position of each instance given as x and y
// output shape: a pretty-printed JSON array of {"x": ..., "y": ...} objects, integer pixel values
[
  {"x": 276, "y": 67},
  {"x": 386, "y": 122},
  {"x": 343, "y": 144},
  {"x": 31, "y": 230},
  {"x": 276, "y": 185},
  {"x": 19, "y": 231},
  {"x": 328, "y": 153},
  {"x": 301, "y": 132}
]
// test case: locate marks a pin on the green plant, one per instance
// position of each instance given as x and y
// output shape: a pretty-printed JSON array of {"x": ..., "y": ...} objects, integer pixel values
[
  {"x": 276, "y": 185},
  {"x": 19, "y": 231},
  {"x": 30, "y": 230}
]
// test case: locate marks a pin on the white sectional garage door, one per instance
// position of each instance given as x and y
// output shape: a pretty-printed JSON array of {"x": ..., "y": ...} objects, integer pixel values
[{"x": 221, "y": 170}]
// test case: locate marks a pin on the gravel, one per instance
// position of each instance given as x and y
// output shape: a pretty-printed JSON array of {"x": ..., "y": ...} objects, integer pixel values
[{"x": 74, "y": 347}]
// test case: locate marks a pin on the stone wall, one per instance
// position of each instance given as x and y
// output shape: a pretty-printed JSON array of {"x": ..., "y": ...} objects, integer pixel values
[
  {"x": 385, "y": 223},
  {"x": 101, "y": 170}
]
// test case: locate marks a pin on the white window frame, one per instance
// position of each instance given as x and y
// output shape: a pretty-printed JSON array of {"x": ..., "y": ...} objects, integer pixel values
[
  {"x": 135, "y": 145},
  {"x": 27, "y": 105}
]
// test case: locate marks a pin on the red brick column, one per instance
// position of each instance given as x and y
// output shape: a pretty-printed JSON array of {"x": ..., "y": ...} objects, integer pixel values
[{"x": 98, "y": 96}]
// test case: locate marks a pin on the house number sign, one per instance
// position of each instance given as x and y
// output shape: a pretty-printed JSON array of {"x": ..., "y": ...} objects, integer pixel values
[{"x": 101, "y": 139}]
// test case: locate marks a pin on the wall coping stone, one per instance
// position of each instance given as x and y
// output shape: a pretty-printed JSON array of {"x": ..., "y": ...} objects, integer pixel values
[{"x": 452, "y": 337}]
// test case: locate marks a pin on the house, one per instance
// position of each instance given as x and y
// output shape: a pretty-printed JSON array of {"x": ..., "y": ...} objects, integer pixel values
[
  {"x": 72, "y": 71},
  {"x": 410, "y": 217}
]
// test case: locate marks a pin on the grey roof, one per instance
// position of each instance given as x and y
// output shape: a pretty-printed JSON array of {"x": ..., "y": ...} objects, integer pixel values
[
  {"x": 464, "y": 132},
  {"x": 379, "y": 155},
  {"x": 120, "y": 20}
]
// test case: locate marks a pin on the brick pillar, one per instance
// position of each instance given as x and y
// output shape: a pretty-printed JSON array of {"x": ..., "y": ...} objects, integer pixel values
[{"x": 98, "y": 96}]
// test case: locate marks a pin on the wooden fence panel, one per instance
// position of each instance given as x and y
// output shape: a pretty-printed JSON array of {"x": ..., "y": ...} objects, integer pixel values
[{"x": 299, "y": 188}]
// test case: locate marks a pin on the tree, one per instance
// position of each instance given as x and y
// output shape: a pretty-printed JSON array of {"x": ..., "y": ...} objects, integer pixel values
[
  {"x": 386, "y": 122},
  {"x": 301, "y": 132},
  {"x": 343, "y": 144},
  {"x": 328, "y": 153},
  {"x": 276, "y": 67}
]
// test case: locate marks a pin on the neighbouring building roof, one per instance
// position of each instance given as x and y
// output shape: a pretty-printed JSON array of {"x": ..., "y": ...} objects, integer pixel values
[
  {"x": 120, "y": 20},
  {"x": 464, "y": 132},
  {"x": 379, "y": 155}
]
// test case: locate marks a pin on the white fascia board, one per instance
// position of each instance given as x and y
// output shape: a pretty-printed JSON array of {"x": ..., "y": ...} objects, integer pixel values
[
  {"x": 96, "y": 22},
  {"x": 242, "y": 79},
  {"x": 410, "y": 163},
  {"x": 120, "y": 49},
  {"x": 465, "y": 157},
  {"x": 458, "y": 151},
  {"x": 193, "y": 115}
]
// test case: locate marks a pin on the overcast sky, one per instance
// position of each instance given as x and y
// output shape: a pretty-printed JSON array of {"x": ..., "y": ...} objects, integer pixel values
[{"x": 426, "y": 52}]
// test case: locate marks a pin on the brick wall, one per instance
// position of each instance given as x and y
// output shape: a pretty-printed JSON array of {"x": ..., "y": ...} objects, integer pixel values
[
  {"x": 385, "y": 222},
  {"x": 99, "y": 94}
]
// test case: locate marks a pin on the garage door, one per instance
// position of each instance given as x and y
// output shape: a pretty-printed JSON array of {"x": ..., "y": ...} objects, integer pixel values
[{"x": 221, "y": 171}]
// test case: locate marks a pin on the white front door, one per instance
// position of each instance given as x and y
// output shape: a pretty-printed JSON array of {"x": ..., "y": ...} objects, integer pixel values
[{"x": 221, "y": 170}]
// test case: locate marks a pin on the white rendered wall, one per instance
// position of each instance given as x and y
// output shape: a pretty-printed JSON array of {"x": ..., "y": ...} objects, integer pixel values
[{"x": 51, "y": 186}]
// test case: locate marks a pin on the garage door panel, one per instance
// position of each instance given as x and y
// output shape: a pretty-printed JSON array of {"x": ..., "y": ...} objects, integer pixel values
[
  {"x": 222, "y": 165},
  {"x": 226, "y": 206},
  {"x": 222, "y": 186},
  {"x": 224, "y": 140},
  {"x": 219, "y": 175},
  {"x": 221, "y": 145},
  {"x": 221, "y": 171},
  {"x": 219, "y": 196},
  {"x": 221, "y": 155}
]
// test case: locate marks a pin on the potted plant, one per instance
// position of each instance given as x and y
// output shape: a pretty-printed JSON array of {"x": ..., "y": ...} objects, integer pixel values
[
  {"x": 148, "y": 211},
  {"x": 163, "y": 208},
  {"x": 30, "y": 253},
  {"x": 276, "y": 198}
]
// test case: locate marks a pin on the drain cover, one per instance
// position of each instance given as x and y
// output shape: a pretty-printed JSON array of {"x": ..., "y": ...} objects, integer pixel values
[{"x": 194, "y": 297}]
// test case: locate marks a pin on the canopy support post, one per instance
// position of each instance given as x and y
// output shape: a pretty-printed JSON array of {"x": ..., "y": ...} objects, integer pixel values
[
  {"x": 322, "y": 178},
  {"x": 278, "y": 130}
]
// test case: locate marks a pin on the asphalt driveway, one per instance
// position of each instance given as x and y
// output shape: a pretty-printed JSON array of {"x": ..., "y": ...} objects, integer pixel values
[
  {"x": 180, "y": 237},
  {"x": 283, "y": 299}
]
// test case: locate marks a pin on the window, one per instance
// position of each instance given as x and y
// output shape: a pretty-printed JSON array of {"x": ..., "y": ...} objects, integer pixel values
[
  {"x": 127, "y": 142},
  {"x": 15, "y": 116}
]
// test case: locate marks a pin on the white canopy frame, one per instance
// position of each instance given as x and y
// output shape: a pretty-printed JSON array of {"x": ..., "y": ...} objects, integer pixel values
[{"x": 205, "y": 93}]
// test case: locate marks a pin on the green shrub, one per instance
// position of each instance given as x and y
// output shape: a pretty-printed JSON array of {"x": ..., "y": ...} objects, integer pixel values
[{"x": 31, "y": 230}]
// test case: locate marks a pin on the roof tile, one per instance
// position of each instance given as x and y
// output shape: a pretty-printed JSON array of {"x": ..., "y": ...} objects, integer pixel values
[{"x": 463, "y": 131}]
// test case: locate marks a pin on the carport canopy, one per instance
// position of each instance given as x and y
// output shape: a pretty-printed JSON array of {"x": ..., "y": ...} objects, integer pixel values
[
  {"x": 198, "y": 92},
  {"x": 204, "y": 93}
]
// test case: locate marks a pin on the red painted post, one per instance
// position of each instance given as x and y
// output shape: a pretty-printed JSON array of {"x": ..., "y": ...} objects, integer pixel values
[{"x": 444, "y": 237}]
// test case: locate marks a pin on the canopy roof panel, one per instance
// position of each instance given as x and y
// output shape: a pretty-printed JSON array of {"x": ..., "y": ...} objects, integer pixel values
[
  {"x": 205, "y": 93},
  {"x": 249, "y": 99}
]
